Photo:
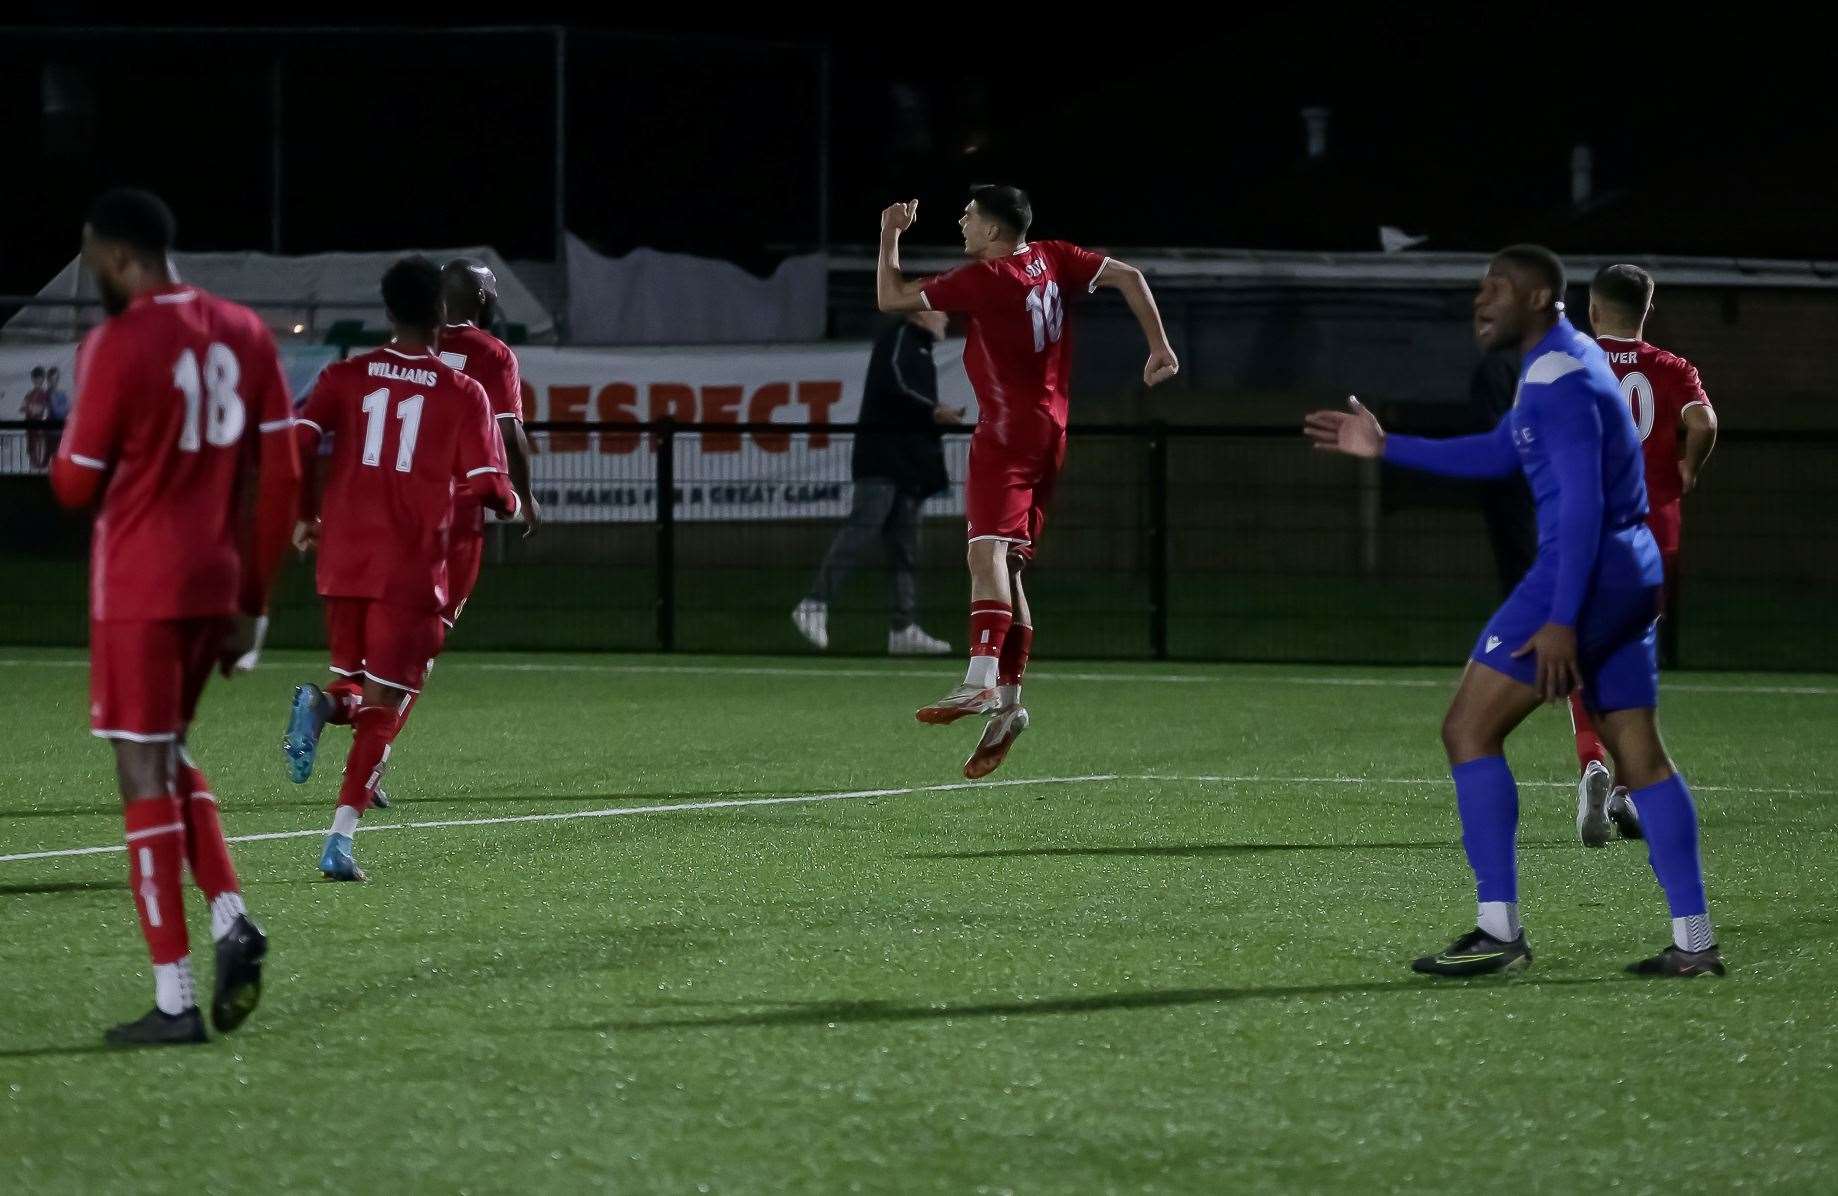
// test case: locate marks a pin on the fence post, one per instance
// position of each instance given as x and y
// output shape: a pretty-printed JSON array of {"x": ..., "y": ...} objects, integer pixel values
[
  {"x": 1158, "y": 540},
  {"x": 666, "y": 536}
]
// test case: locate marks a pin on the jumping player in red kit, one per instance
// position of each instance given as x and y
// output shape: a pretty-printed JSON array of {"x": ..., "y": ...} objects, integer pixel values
[
  {"x": 407, "y": 430},
  {"x": 1669, "y": 404},
  {"x": 179, "y": 400},
  {"x": 1018, "y": 354}
]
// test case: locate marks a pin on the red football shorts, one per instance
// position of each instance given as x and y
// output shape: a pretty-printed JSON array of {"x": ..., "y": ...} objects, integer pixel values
[
  {"x": 382, "y": 640},
  {"x": 463, "y": 556},
  {"x": 1008, "y": 491},
  {"x": 145, "y": 676}
]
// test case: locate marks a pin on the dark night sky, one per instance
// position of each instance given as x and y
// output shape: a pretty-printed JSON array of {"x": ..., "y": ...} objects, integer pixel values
[{"x": 1708, "y": 136}]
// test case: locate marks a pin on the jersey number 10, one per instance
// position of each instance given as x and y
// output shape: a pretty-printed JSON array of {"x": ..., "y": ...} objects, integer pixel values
[
  {"x": 1638, "y": 392},
  {"x": 1044, "y": 308},
  {"x": 376, "y": 403}
]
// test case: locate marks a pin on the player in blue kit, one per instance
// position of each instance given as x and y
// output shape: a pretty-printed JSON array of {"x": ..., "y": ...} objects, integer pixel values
[{"x": 1583, "y": 617}]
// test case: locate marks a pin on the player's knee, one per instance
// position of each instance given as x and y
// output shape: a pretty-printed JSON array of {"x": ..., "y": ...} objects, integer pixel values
[
  {"x": 1462, "y": 740},
  {"x": 142, "y": 769}
]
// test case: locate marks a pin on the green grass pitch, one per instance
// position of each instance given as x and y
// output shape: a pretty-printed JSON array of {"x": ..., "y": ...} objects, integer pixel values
[{"x": 1166, "y": 954}]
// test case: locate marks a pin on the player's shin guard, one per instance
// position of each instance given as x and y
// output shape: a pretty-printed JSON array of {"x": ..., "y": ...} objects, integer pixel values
[
  {"x": 1488, "y": 801},
  {"x": 1670, "y": 821},
  {"x": 989, "y": 626},
  {"x": 156, "y": 857},
  {"x": 206, "y": 850},
  {"x": 374, "y": 729},
  {"x": 1589, "y": 748},
  {"x": 1013, "y": 662},
  {"x": 343, "y": 697}
]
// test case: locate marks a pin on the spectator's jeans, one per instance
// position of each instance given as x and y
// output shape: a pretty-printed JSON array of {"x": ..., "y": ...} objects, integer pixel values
[{"x": 879, "y": 510}]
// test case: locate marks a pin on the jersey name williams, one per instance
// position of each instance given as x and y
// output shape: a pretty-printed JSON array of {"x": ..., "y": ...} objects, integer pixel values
[{"x": 384, "y": 369}]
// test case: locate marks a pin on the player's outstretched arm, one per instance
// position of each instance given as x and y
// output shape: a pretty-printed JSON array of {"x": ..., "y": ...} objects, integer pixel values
[
  {"x": 1162, "y": 363},
  {"x": 1356, "y": 433},
  {"x": 893, "y": 291}
]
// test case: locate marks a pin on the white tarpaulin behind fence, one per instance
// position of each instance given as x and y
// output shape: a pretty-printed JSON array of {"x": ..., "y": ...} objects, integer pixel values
[
  {"x": 313, "y": 290},
  {"x": 592, "y": 477},
  {"x": 653, "y": 298}
]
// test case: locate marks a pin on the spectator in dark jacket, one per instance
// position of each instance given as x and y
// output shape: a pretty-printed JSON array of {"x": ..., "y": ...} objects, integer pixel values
[{"x": 899, "y": 462}]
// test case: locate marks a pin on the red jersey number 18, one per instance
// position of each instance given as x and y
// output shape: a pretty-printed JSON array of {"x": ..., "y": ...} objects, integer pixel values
[
  {"x": 210, "y": 398},
  {"x": 408, "y": 411}
]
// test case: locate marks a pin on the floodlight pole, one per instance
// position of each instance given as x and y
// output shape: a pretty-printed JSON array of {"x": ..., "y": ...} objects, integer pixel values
[
  {"x": 274, "y": 153},
  {"x": 559, "y": 182}
]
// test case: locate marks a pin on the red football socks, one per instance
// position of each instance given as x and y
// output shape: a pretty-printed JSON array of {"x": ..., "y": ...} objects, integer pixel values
[
  {"x": 343, "y": 697},
  {"x": 1015, "y": 648},
  {"x": 205, "y": 848},
  {"x": 156, "y": 862},
  {"x": 989, "y": 624},
  {"x": 1589, "y": 746},
  {"x": 374, "y": 729}
]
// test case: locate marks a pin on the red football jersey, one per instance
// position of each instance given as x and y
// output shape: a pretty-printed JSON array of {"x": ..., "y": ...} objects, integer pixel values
[
  {"x": 489, "y": 362},
  {"x": 1659, "y": 386},
  {"x": 405, "y": 428},
  {"x": 1018, "y": 351},
  {"x": 172, "y": 397}
]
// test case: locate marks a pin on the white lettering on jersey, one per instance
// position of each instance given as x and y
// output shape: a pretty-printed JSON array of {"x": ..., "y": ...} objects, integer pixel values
[{"x": 384, "y": 369}]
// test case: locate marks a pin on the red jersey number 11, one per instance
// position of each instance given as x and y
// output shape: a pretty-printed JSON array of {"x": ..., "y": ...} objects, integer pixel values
[{"x": 408, "y": 411}]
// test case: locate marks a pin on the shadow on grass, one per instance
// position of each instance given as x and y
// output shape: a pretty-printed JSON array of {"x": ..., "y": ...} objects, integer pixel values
[
  {"x": 56, "y": 1052},
  {"x": 1180, "y": 850},
  {"x": 824, "y": 1013},
  {"x": 64, "y": 886}
]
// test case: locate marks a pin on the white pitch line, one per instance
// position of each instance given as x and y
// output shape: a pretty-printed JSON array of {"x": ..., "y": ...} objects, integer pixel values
[
  {"x": 846, "y": 795},
  {"x": 1045, "y": 674},
  {"x": 608, "y": 812}
]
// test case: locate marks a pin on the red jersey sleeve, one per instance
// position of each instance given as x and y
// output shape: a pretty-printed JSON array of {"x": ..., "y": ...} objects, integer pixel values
[
  {"x": 964, "y": 289},
  {"x": 1690, "y": 388},
  {"x": 505, "y": 388},
  {"x": 479, "y": 464},
  {"x": 319, "y": 414},
  {"x": 92, "y": 437},
  {"x": 1076, "y": 268}
]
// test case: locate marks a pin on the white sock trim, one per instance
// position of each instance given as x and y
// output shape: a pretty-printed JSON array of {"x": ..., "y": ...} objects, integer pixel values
[
  {"x": 225, "y": 909},
  {"x": 1499, "y": 919},
  {"x": 344, "y": 820},
  {"x": 982, "y": 672},
  {"x": 1693, "y": 933}
]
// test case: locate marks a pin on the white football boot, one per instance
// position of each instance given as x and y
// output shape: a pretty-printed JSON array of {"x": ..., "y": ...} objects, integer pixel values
[
  {"x": 913, "y": 641},
  {"x": 812, "y": 619},
  {"x": 1592, "y": 794}
]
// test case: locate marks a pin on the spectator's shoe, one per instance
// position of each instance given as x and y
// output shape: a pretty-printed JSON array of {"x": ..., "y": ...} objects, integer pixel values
[
  {"x": 239, "y": 974},
  {"x": 304, "y": 723},
  {"x": 1476, "y": 953},
  {"x": 913, "y": 641},
  {"x": 1592, "y": 794},
  {"x": 1622, "y": 813},
  {"x": 1682, "y": 965},
  {"x": 962, "y": 702},
  {"x": 812, "y": 619},
  {"x": 999, "y": 734},
  {"x": 337, "y": 861},
  {"x": 159, "y": 1029}
]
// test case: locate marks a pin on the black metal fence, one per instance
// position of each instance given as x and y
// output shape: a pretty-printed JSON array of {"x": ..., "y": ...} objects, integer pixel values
[{"x": 1177, "y": 542}]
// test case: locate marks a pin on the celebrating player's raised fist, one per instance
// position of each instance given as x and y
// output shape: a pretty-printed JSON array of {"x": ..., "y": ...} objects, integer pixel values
[
  {"x": 1161, "y": 366},
  {"x": 1355, "y": 431},
  {"x": 898, "y": 217}
]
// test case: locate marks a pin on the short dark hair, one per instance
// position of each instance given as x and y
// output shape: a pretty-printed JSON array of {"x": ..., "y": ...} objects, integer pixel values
[
  {"x": 1546, "y": 266},
  {"x": 1626, "y": 288},
  {"x": 38, "y": 371},
  {"x": 1007, "y": 206},
  {"x": 138, "y": 219},
  {"x": 411, "y": 291}
]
